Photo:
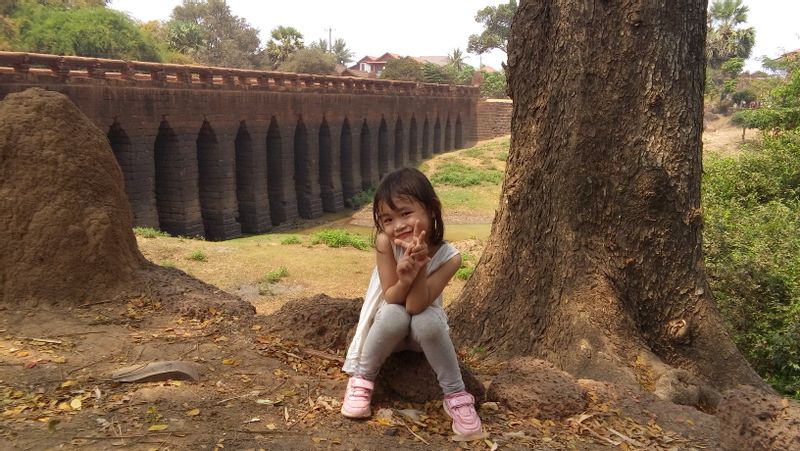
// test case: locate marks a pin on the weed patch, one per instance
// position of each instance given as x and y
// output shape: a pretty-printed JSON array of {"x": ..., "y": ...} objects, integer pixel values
[
  {"x": 148, "y": 232},
  {"x": 293, "y": 239},
  {"x": 340, "y": 238},
  {"x": 198, "y": 256}
]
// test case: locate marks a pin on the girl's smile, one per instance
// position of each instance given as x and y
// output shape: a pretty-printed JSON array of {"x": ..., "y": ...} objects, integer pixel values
[{"x": 398, "y": 223}]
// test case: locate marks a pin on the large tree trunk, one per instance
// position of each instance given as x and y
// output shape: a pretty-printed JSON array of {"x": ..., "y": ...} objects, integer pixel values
[{"x": 595, "y": 261}]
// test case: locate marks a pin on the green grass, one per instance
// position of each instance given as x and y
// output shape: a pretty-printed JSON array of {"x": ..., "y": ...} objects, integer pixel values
[
  {"x": 467, "y": 266},
  {"x": 340, "y": 238},
  {"x": 461, "y": 175},
  {"x": 149, "y": 232},
  {"x": 198, "y": 256}
]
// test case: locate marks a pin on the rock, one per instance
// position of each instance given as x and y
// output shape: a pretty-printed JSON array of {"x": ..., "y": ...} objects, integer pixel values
[
  {"x": 682, "y": 387},
  {"x": 754, "y": 420},
  {"x": 320, "y": 322},
  {"x": 158, "y": 371},
  {"x": 407, "y": 375},
  {"x": 534, "y": 387},
  {"x": 66, "y": 231}
]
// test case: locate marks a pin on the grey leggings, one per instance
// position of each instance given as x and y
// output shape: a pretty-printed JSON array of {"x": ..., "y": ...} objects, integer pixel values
[{"x": 394, "y": 329}]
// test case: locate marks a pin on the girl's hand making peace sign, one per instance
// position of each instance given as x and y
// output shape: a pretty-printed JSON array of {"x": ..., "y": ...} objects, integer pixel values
[{"x": 415, "y": 256}]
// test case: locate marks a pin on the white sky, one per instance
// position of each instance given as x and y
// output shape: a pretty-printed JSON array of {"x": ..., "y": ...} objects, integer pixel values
[{"x": 434, "y": 27}]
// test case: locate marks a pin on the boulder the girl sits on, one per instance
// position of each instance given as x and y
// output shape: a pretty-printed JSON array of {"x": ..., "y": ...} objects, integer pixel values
[{"x": 403, "y": 305}]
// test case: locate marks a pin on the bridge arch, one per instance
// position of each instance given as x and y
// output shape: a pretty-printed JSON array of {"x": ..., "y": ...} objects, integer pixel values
[
  {"x": 365, "y": 152},
  {"x": 383, "y": 149},
  {"x": 399, "y": 148},
  {"x": 426, "y": 139},
  {"x": 459, "y": 138},
  {"x": 437, "y": 136},
  {"x": 276, "y": 176},
  {"x": 448, "y": 136},
  {"x": 413, "y": 141},
  {"x": 351, "y": 180}
]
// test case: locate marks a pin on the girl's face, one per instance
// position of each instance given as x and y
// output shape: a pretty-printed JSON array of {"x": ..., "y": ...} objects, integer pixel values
[{"x": 399, "y": 223}]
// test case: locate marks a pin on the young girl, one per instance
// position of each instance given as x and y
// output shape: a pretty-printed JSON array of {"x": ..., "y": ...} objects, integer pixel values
[{"x": 403, "y": 305}]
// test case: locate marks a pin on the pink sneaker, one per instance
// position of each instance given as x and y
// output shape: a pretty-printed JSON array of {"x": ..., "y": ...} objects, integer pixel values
[
  {"x": 460, "y": 406},
  {"x": 357, "y": 398}
]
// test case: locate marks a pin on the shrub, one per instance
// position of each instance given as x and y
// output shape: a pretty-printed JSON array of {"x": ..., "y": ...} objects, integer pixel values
[
  {"x": 752, "y": 248},
  {"x": 360, "y": 199},
  {"x": 293, "y": 239},
  {"x": 149, "y": 232},
  {"x": 198, "y": 256},
  {"x": 340, "y": 238},
  {"x": 275, "y": 275}
]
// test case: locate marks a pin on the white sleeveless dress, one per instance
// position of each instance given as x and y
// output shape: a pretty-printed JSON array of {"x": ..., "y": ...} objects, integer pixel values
[{"x": 373, "y": 300}]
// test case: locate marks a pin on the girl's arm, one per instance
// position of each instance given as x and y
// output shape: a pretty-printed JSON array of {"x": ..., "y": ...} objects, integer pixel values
[
  {"x": 394, "y": 290},
  {"x": 425, "y": 290}
]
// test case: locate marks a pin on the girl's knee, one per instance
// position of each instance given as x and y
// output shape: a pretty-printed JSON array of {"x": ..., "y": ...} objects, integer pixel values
[
  {"x": 393, "y": 318},
  {"x": 428, "y": 326}
]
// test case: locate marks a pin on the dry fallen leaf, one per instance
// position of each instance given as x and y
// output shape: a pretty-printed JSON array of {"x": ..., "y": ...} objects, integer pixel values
[
  {"x": 76, "y": 403},
  {"x": 271, "y": 426},
  {"x": 68, "y": 383},
  {"x": 228, "y": 361},
  {"x": 157, "y": 427},
  {"x": 193, "y": 413}
]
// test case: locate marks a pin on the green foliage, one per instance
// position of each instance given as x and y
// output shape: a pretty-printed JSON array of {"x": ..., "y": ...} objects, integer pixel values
[
  {"x": 292, "y": 239},
  {"x": 496, "y": 21},
  {"x": 198, "y": 256},
  {"x": 342, "y": 54},
  {"x": 494, "y": 85},
  {"x": 361, "y": 198},
  {"x": 309, "y": 61},
  {"x": 149, "y": 232},
  {"x": 275, "y": 275},
  {"x": 779, "y": 112},
  {"x": 752, "y": 248},
  {"x": 94, "y": 32},
  {"x": 284, "y": 41},
  {"x": 406, "y": 68},
  {"x": 467, "y": 266},
  {"x": 457, "y": 174},
  {"x": 340, "y": 238}
]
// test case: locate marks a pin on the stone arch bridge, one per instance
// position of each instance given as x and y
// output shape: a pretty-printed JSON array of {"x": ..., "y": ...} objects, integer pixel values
[{"x": 219, "y": 152}]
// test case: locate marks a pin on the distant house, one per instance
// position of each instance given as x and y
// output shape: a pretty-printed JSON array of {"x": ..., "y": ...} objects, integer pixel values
[
  {"x": 437, "y": 60},
  {"x": 372, "y": 65}
]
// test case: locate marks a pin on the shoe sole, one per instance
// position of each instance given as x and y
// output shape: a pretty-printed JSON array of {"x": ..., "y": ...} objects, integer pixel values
[{"x": 352, "y": 416}]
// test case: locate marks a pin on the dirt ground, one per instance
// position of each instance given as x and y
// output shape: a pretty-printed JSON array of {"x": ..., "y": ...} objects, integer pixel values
[{"x": 257, "y": 390}]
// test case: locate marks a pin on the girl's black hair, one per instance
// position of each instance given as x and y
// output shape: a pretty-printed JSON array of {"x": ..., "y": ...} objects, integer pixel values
[{"x": 410, "y": 183}]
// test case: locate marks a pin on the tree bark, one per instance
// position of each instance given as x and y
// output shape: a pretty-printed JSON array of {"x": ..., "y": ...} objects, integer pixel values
[{"x": 595, "y": 259}]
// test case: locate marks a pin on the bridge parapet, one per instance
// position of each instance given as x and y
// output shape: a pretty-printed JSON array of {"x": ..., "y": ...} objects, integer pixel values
[{"x": 20, "y": 66}]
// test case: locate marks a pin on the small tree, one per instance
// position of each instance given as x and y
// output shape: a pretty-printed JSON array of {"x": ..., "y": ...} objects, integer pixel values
[
  {"x": 494, "y": 85},
  {"x": 309, "y": 61},
  {"x": 406, "y": 68}
]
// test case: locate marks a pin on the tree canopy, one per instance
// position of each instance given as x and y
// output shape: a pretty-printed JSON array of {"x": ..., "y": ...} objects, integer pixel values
[
  {"x": 217, "y": 37},
  {"x": 82, "y": 31},
  {"x": 341, "y": 53},
  {"x": 309, "y": 61},
  {"x": 497, "y": 27}
]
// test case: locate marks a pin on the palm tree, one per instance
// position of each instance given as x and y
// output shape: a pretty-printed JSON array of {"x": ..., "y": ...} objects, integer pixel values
[
  {"x": 456, "y": 59},
  {"x": 728, "y": 13},
  {"x": 284, "y": 42},
  {"x": 725, "y": 40},
  {"x": 341, "y": 52}
]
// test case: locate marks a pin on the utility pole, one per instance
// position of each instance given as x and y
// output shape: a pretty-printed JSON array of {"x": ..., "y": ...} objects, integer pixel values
[{"x": 330, "y": 42}]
